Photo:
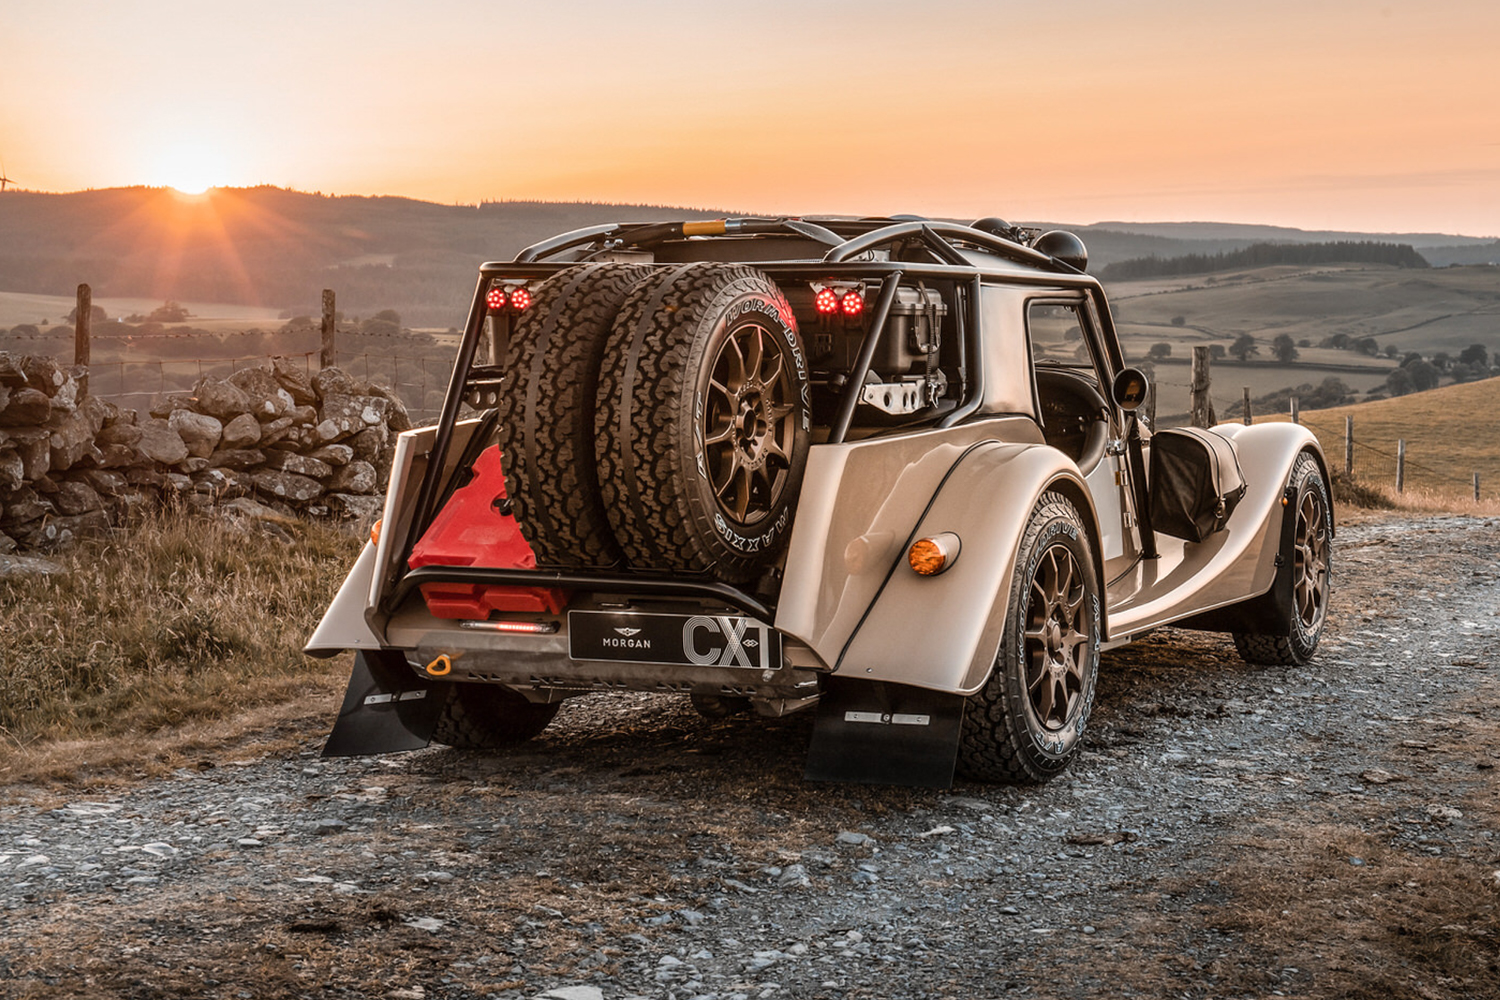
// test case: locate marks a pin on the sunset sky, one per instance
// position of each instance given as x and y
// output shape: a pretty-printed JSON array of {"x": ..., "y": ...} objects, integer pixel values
[{"x": 1373, "y": 116}]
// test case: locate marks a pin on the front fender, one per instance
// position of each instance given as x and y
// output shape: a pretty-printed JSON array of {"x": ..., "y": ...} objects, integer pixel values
[{"x": 943, "y": 632}]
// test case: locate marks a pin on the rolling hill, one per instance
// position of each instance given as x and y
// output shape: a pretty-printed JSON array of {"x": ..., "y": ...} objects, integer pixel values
[
  {"x": 1450, "y": 434},
  {"x": 277, "y": 248}
]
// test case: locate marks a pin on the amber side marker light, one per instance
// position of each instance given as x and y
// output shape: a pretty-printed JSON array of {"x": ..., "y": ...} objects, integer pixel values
[
  {"x": 375, "y": 531},
  {"x": 932, "y": 555}
]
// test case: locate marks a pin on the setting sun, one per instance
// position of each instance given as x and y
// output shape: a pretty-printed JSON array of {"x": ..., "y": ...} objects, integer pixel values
[{"x": 190, "y": 168}]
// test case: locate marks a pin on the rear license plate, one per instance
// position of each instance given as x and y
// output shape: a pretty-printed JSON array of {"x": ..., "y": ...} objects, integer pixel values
[{"x": 688, "y": 640}]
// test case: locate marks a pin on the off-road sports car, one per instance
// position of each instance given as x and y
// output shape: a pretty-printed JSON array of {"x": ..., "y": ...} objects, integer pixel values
[{"x": 891, "y": 470}]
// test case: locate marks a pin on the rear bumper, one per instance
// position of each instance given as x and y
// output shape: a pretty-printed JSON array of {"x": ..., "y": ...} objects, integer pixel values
[{"x": 444, "y": 648}]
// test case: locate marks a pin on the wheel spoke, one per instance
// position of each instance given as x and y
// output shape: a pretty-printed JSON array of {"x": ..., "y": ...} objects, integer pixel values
[
  {"x": 742, "y": 497},
  {"x": 733, "y": 455},
  {"x": 776, "y": 360},
  {"x": 756, "y": 353},
  {"x": 738, "y": 360}
]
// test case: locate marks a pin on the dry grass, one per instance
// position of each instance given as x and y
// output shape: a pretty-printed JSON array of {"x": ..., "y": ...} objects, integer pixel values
[
  {"x": 179, "y": 621},
  {"x": 1449, "y": 434}
]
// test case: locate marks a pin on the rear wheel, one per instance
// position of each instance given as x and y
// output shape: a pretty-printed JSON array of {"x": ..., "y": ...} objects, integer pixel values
[
  {"x": 702, "y": 420},
  {"x": 1309, "y": 560},
  {"x": 489, "y": 717},
  {"x": 547, "y": 414},
  {"x": 1026, "y": 723}
]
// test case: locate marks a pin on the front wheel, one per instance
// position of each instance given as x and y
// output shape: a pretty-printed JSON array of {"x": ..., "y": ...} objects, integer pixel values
[
  {"x": 1308, "y": 557},
  {"x": 1026, "y": 723}
]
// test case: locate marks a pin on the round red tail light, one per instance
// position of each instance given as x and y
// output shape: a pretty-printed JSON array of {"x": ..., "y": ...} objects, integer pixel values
[
  {"x": 826, "y": 301},
  {"x": 520, "y": 298},
  {"x": 495, "y": 299},
  {"x": 853, "y": 303}
]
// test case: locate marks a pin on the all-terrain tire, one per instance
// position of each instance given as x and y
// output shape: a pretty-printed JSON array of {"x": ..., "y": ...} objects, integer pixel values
[
  {"x": 703, "y": 421},
  {"x": 1026, "y": 724},
  {"x": 1308, "y": 557},
  {"x": 547, "y": 414},
  {"x": 489, "y": 717}
]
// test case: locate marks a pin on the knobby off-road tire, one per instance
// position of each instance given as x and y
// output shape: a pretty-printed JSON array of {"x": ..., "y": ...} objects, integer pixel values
[
  {"x": 547, "y": 414},
  {"x": 1026, "y": 723},
  {"x": 703, "y": 421},
  {"x": 488, "y": 717},
  {"x": 1309, "y": 559}
]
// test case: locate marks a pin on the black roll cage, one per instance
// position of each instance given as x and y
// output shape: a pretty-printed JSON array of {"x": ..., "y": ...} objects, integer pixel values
[{"x": 853, "y": 254}]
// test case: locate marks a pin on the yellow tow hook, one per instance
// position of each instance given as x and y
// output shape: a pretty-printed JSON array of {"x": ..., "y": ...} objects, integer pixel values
[{"x": 440, "y": 667}]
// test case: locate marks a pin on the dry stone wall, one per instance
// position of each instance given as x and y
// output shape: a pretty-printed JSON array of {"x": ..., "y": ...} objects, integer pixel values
[{"x": 264, "y": 438}]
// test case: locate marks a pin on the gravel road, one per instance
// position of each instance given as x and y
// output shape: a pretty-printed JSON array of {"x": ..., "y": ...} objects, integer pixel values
[{"x": 1230, "y": 831}]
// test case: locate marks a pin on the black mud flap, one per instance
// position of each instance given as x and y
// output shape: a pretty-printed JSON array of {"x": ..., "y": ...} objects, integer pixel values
[
  {"x": 387, "y": 708},
  {"x": 875, "y": 733}
]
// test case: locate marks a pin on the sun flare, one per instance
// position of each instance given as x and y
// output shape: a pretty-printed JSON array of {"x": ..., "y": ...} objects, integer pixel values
[{"x": 190, "y": 168}]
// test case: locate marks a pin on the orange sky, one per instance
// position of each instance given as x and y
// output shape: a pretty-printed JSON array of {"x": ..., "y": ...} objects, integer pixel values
[{"x": 1378, "y": 116}]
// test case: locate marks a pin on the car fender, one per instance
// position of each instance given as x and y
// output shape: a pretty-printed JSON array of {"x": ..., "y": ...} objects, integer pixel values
[
  {"x": 1268, "y": 452},
  {"x": 1237, "y": 563},
  {"x": 943, "y": 632},
  {"x": 344, "y": 625}
]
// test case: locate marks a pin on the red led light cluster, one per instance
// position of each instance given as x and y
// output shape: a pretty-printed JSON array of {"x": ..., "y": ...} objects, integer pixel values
[
  {"x": 831, "y": 301},
  {"x": 519, "y": 297}
]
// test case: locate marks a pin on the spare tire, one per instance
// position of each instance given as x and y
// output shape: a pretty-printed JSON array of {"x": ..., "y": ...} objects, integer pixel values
[
  {"x": 547, "y": 414},
  {"x": 702, "y": 422}
]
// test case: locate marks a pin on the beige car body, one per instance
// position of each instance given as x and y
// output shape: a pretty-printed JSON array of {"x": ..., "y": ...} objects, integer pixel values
[{"x": 848, "y": 605}]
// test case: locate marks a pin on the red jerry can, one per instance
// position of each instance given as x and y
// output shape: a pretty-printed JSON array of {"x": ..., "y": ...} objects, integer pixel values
[{"x": 471, "y": 530}]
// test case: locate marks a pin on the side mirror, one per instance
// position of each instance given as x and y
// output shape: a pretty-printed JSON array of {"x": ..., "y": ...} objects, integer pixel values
[{"x": 1129, "y": 388}]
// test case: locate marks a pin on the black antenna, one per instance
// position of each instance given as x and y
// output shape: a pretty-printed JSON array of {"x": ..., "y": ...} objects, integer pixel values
[{"x": 4, "y": 180}]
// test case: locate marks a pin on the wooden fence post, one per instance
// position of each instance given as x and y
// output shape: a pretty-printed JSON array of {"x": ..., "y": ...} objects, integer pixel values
[
  {"x": 1202, "y": 402},
  {"x": 328, "y": 356},
  {"x": 82, "y": 330},
  {"x": 1476, "y": 487},
  {"x": 1295, "y": 418},
  {"x": 1349, "y": 446},
  {"x": 1248, "y": 418},
  {"x": 1400, "y": 464}
]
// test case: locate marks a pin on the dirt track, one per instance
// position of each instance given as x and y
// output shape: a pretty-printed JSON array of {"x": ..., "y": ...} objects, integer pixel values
[{"x": 1230, "y": 831}]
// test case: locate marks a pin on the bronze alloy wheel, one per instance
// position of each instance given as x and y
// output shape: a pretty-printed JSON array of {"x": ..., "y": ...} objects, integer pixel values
[
  {"x": 1027, "y": 722},
  {"x": 703, "y": 422},
  {"x": 1310, "y": 566},
  {"x": 1057, "y": 638},
  {"x": 748, "y": 426},
  {"x": 1290, "y": 617}
]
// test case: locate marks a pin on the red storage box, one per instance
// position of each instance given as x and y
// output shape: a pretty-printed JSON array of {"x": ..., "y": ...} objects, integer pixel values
[{"x": 470, "y": 530}]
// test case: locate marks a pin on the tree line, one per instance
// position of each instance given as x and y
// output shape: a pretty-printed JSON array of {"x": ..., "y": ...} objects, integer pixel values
[{"x": 1266, "y": 254}]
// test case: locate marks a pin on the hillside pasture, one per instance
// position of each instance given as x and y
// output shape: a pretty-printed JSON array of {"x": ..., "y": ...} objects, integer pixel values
[
  {"x": 22, "y": 307},
  {"x": 1444, "y": 309},
  {"x": 1450, "y": 434},
  {"x": 1174, "y": 377}
]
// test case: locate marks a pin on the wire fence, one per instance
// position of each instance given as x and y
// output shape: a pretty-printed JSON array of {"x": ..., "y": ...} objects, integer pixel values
[{"x": 1389, "y": 463}]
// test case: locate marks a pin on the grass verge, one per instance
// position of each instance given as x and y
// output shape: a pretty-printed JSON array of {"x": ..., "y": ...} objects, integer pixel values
[{"x": 180, "y": 621}]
